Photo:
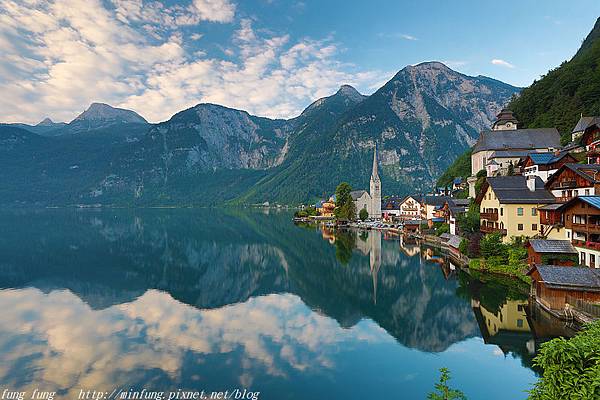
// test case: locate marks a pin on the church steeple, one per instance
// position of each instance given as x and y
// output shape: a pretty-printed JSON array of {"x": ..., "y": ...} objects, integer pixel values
[
  {"x": 374, "y": 174},
  {"x": 375, "y": 192}
]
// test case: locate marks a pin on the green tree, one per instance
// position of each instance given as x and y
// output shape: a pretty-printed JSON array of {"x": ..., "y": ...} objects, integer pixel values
[
  {"x": 491, "y": 246},
  {"x": 346, "y": 209},
  {"x": 571, "y": 367},
  {"x": 469, "y": 221},
  {"x": 363, "y": 214},
  {"x": 511, "y": 169},
  {"x": 443, "y": 391}
]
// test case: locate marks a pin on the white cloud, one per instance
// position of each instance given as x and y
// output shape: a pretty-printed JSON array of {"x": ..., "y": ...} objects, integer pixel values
[
  {"x": 59, "y": 56},
  {"x": 502, "y": 63},
  {"x": 154, "y": 334},
  {"x": 408, "y": 37}
]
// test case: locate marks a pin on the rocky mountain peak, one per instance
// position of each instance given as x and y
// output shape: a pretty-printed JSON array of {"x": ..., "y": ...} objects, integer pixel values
[
  {"x": 350, "y": 92},
  {"x": 104, "y": 112},
  {"x": 46, "y": 122}
]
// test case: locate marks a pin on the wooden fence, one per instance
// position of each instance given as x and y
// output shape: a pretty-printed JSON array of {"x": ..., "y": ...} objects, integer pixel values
[{"x": 591, "y": 309}]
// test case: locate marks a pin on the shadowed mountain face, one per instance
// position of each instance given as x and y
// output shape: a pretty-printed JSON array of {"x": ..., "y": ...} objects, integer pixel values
[{"x": 421, "y": 119}]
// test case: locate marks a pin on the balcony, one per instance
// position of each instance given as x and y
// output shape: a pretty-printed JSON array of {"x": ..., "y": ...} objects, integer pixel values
[
  {"x": 587, "y": 245},
  {"x": 566, "y": 184},
  {"x": 490, "y": 216},
  {"x": 592, "y": 228},
  {"x": 491, "y": 229}
]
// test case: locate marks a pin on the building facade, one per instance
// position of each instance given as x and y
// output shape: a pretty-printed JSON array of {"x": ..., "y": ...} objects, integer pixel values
[{"x": 371, "y": 201}]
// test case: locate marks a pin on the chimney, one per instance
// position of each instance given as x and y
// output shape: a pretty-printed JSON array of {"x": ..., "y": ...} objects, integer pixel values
[{"x": 531, "y": 182}]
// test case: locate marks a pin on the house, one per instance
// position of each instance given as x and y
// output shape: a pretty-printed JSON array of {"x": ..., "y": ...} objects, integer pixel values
[
  {"x": 552, "y": 286},
  {"x": 411, "y": 207},
  {"x": 551, "y": 252},
  {"x": 411, "y": 226},
  {"x": 451, "y": 210},
  {"x": 509, "y": 205},
  {"x": 390, "y": 207},
  {"x": 573, "y": 180},
  {"x": 458, "y": 184},
  {"x": 552, "y": 222},
  {"x": 545, "y": 164},
  {"x": 432, "y": 206},
  {"x": 583, "y": 124},
  {"x": 581, "y": 218},
  {"x": 590, "y": 137}
]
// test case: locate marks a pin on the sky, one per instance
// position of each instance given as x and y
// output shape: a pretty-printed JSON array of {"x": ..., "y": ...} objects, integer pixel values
[{"x": 269, "y": 57}]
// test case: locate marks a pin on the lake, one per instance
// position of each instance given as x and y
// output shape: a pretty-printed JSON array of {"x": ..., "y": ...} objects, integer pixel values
[{"x": 117, "y": 301}]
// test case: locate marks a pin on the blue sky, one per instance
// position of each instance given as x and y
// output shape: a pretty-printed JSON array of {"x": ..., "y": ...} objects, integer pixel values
[{"x": 270, "y": 57}]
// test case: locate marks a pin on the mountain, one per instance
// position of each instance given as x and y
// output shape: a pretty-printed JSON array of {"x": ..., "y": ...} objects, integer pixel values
[
  {"x": 422, "y": 119},
  {"x": 100, "y": 115},
  {"x": 46, "y": 127},
  {"x": 560, "y": 97}
]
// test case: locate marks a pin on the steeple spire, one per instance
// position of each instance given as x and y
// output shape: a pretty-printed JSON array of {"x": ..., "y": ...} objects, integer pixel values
[{"x": 374, "y": 174}]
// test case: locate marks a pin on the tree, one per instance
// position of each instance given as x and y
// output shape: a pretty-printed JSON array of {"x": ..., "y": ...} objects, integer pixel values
[
  {"x": 444, "y": 392},
  {"x": 363, "y": 214},
  {"x": 469, "y": 221},
  {"x": 491, "y": 246},
  {"x": 346, "y": 209},
  {"x": 571, "y": 367},
  {"x": 511, "y": 169}
]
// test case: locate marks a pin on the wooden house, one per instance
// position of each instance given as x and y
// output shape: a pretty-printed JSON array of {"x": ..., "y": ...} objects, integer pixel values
[
  {"x": 552, "y": 286},
  {"x": 573, "y": 180},
  {"x": 551, "y": 252}
]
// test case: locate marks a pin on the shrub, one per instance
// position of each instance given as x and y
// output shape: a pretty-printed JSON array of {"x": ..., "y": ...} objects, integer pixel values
[{"x": 571, "y": 367}]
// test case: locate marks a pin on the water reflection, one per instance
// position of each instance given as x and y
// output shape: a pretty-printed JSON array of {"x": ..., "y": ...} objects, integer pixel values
[{"x": 202, "y": 298}]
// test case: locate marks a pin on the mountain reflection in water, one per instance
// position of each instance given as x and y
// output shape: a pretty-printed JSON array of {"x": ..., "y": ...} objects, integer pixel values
[{"x": 209, "y": 299}]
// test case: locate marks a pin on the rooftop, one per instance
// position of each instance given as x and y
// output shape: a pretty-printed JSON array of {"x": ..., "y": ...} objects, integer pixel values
[
  {"x": 518, "y": 139},
  {"x": 589, "y": 172},
  {"x": 552, "y": 246},
  {"x": 355, "y": 194},
  {"x": 586, "y": 122},
  {"x": 546, "y": 157},
  {"x": 569, "y": 278},
  {"x": 513, "y": 189}
]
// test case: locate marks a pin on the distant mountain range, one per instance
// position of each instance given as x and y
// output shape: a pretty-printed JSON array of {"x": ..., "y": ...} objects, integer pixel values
[{"x": 420, "y": 120}]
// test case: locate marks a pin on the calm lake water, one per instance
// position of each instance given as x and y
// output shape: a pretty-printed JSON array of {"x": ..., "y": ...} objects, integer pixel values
[{"x": 218, "y": 300}]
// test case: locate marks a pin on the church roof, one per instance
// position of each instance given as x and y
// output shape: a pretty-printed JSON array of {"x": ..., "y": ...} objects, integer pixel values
[
  {"x": 518, "y": 139},
  {"x": 374, "y": 172},
  {"x": 356, "y": 194}
]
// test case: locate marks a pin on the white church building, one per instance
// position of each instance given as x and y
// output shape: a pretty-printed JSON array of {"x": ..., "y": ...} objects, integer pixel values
[{"x": 371, "y": 201}]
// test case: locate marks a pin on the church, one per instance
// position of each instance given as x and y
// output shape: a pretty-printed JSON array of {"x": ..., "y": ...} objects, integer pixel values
[{"x": 371, "y": 201}]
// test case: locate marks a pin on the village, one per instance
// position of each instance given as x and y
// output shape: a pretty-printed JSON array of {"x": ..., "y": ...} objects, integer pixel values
[{"x": 529, "y": 209}]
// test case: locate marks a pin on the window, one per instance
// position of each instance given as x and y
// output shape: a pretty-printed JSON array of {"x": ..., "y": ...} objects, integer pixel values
[
  {"x": 568, "y": 235},
  {"x": 501, "y": 211},
  {"x": 520, "y": 227},
  {"x": 533, "y": 212},
  {"x": 592, "y": 260},
  {"x": 519, "y": 323},
  {"x": 534, "y": 227},
  {"x": 582, "y": 258},
  {"x": 587, "y": 192},
  {"x": 520, "y": 211}
]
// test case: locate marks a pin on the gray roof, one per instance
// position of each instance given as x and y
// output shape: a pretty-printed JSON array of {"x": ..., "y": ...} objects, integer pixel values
[
  {"x": 570, "y": 278},
  {"x": 552, "y": 246},
  {"x": 454, "y": 241},
  {"x": 513, "y": 189},
  {"x": 445, "y": 236},
  {"x": 510, "y": 154},
  {"x": 355, "y": 194},
  {"x": 518, "y": 139},
  {"x": 461, "y": 202},
  {"x": 551, "y": 207},
  {"x": 436, "y": 200},
  {"x": 586, "y": 122}
]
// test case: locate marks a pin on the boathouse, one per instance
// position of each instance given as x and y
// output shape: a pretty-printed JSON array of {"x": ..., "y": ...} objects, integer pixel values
[
  {"x": 553, "y": 286},
  {"x": 551, "y": 252}
]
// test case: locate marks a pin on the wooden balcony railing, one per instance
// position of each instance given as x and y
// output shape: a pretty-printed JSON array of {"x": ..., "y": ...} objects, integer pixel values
[
  {"x": 586, "y": 244},
  {"x": 566, "y": 184},
  {"x": 491, "y": 229},
  {"x": 490, "y": 216},
  {"x": 594, "y": 228}
]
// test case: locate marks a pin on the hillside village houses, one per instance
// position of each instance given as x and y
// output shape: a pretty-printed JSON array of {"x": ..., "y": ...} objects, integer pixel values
[{"x": 500, "y": 145}]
